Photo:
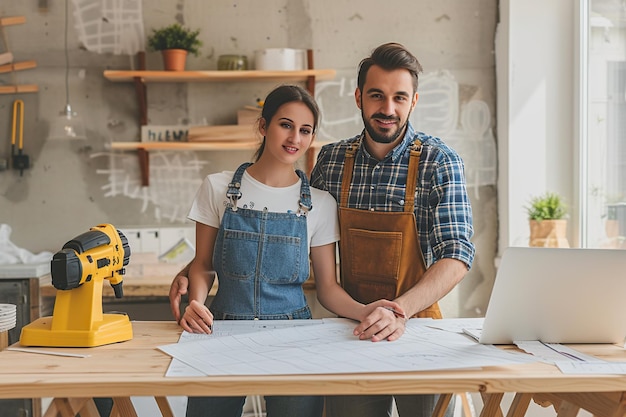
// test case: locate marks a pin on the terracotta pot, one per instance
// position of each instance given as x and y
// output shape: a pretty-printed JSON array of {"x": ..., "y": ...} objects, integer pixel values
[
  {"x": 548, "y": 233},
  {"x": 174, "y": 59}
]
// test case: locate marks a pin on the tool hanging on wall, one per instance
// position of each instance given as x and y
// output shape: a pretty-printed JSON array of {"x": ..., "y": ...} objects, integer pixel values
[{"x": 19, "y": 160}]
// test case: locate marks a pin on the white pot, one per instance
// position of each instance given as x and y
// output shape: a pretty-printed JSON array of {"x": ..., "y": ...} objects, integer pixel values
[{"x": 280, "y": 59}]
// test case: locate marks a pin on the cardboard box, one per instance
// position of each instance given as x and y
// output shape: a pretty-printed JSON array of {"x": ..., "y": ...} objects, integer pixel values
[{"x": 248, "y": 116}]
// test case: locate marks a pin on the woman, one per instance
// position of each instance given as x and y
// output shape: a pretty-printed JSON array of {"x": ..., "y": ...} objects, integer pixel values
[{"x": 256, "y": 228}]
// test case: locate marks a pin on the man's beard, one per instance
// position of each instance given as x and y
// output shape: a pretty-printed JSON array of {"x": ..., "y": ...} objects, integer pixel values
[{"x": 381, "y": 137}]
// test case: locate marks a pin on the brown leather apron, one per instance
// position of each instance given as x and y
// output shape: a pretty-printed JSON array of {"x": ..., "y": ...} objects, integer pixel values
[{"x": 380, "y": 252}]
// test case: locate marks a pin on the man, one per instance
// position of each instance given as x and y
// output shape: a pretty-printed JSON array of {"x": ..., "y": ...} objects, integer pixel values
[
  {"x": 404, "y": 213},
  {"x": 410, "y": 247}
]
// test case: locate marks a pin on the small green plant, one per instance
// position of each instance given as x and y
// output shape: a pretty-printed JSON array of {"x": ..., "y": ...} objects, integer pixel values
[
  {"x": 548, "y": 206},
  {"x": 175, "y": 36}
]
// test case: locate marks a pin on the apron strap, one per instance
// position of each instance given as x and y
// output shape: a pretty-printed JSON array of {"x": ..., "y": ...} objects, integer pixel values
[
  {"x": 414, "y": 161},
  {"x": 348, "y": 167}
]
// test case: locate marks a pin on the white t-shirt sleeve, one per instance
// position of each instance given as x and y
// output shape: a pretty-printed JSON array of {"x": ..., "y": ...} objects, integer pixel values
[
  {"x": 208, "y": 205},
  {"x": 325, "y": 228}
]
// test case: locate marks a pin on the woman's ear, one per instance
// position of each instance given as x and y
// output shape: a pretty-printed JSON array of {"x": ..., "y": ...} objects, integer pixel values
[{"x": 262, "y": 126}]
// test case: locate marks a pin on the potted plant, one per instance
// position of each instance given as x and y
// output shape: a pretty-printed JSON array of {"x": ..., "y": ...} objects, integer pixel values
[
  {"x": 547, "y": 215},
  {"x": 175, "y": 42}
]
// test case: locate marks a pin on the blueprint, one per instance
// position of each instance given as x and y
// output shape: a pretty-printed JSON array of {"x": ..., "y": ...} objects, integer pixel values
[{"x": 328, "y": 347}]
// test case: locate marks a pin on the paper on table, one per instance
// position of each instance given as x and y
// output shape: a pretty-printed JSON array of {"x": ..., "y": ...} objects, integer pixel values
[
  {"x": 331, "y": 348},
  {"x": 228, "y": 328},
  {"x": 616, "y": 368},
  {"x": 554, "y": 352}
]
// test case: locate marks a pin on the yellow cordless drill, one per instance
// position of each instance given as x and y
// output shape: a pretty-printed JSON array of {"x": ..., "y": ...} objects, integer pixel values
[{"x": 78, "y": 272}]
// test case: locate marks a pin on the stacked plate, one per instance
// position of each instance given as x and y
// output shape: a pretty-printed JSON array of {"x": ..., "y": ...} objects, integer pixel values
[{"x": 8, "y": 316}]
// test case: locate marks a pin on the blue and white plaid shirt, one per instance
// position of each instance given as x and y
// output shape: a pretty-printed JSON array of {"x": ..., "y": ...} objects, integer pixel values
[{"x": 442, "y": 207}]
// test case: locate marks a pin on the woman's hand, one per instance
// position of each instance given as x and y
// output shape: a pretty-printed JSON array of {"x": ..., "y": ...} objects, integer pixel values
[
  {"x": 197, "y": 318},
  {"x": 383, "y": 319}
]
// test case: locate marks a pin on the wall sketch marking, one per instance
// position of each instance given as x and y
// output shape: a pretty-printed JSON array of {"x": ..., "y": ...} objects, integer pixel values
[
  {"x": 174, "y": 180},
  {"x": 439, "y": 112},
  {"x": 110, "y": 26}
]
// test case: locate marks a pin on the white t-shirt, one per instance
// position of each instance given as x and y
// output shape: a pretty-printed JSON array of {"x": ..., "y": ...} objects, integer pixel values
[{"x": 210, "y": 203}]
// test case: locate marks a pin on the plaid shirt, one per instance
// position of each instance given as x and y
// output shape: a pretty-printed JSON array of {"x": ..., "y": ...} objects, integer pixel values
[{"x": 442, "y": 206}]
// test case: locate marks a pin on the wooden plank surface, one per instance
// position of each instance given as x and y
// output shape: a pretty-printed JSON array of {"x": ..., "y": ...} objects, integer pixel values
[
  {"x": 12, "y": 20},
  {"x": 18, "y": 66},
  {"x": 222, "y": 133},
  {"x": 20, "y": 88},
  {"x": 217, "y": 76},
  {"x": 137, "y": 368}
]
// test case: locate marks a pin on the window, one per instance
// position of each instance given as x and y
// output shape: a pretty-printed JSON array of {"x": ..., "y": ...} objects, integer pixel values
[{"x": 604, "y": 134}]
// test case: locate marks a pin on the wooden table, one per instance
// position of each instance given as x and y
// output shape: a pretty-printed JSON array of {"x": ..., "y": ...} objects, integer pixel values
[{"x": 137, "y": 368}]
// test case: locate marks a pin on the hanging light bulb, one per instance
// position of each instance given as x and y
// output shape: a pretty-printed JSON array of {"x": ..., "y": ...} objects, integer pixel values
[{"x": 68, "y": 125}]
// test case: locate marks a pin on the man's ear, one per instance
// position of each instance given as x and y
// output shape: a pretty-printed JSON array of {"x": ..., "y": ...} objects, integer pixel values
[
  {"x": 357, "y": 97},
  {"x": 414, "y": 102}
]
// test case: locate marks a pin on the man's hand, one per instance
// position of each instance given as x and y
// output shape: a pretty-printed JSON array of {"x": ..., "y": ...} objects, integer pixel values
[
  {"x": 386, "y": 320},
  {"x": 197, "y": 318},
  {"x": 179, "y": 287}
]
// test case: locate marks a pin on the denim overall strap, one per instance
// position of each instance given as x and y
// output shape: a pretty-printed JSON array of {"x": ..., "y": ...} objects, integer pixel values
[
  {"x": 261, "y": 259},
  {"x": 233, "y": 193},
  {"x": 304, "y": 205}
]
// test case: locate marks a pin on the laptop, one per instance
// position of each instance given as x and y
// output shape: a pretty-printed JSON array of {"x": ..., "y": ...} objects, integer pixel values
[{"x": 558, "y": 295}]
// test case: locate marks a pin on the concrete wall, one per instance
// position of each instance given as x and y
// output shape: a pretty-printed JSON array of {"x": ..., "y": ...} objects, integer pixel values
[{"x": 72, "y": 186}]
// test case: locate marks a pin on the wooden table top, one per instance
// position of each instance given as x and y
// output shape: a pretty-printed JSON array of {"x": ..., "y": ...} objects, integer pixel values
[{"x": 137, "y": 368}]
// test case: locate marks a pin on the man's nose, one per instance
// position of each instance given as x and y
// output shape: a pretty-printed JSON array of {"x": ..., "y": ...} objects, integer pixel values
[{"x": 388, "y": 107}]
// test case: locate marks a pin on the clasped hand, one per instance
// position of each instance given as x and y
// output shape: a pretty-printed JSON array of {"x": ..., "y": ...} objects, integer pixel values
[{"x": 384, "y": 320}]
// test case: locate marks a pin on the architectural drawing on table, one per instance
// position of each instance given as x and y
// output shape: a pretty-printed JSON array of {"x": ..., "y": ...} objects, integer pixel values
[
  {"x": 110, "y": 26},
  {"x": 175, "y": 178},
  {"x": 465, "y": 127}
]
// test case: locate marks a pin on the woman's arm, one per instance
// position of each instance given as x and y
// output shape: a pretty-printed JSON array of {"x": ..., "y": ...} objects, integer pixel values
[
  {"x": 377, "y": 321},
  {"x": 197, "y": 317}
]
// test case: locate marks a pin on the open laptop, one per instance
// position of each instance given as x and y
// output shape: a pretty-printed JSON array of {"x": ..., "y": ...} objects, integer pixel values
[{"x": 558, "y": 295}]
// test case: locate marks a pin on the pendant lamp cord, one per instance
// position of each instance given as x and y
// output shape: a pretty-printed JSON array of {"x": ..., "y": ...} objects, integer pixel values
[{"x": 67, "y": 61}]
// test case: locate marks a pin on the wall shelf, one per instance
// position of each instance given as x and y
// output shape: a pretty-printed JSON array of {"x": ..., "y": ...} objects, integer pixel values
[
  {"x": 143, "y": 77},
  {"x": 185, "y": 146},
  {"x": 18, "y": 89},
  {"x": 17, "y": 66},
  {"x": 12, "y": 20},
  {"x": 14, "y": 66},
  {"x": 217, "y": 76}
]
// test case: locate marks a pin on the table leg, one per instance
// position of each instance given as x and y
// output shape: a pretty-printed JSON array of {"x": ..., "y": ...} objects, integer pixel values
[
  {"x": 491, "y": 407},
  {"x": 600, "y": 404},
  {"x": 69, "y": 407},
  {"x": 519, "y": 405},
  {"x": 442, "y": 405},
  {"x": 467, "y": 405},
  {"x": 123, "y": 407},
  {"x": 164, "y": 406}
]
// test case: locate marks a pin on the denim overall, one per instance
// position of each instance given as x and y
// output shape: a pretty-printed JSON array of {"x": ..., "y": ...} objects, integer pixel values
[{"x": 262, "y": 260}]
